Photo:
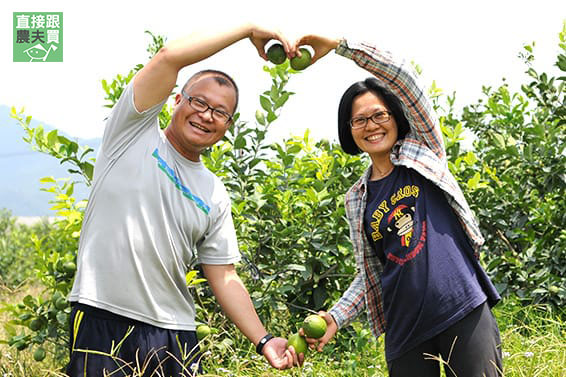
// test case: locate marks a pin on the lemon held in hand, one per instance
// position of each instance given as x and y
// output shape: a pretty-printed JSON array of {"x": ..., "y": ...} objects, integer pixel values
[
  {"x": 276, "y": 53},
  {"x": 302, "y": 62},
  {"x": 314, "y": 326},
  {"x": 298, "y": 342}
]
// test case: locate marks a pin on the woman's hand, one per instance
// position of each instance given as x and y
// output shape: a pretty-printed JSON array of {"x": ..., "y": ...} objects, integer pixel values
[
  {"x": 331, "y": 329},
  {"x": 320, "y": 45},
  {"x": 260, "y": 36}
]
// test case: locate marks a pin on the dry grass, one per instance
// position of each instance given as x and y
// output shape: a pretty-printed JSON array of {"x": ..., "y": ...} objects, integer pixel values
[{"x": 533, "y": 346}]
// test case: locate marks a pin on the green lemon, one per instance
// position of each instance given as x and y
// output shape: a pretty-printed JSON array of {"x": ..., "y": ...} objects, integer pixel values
[
  {"x": 69, "y": 267},
  {"x": 35, "y": 324},
  {"x": 314, "y": 326},
  {"x": 25, "y": 316},
  {"x": 298, "y": 342},
  {"x": 276, "y": 53},
  {"x": 203, "y": 331},
  {"x": 61, "y": 303},
  {"x": 39, "y": 354},
  {"x": 300, "y": 63}
]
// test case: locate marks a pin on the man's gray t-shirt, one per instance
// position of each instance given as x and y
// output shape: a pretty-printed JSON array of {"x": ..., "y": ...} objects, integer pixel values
[{"x": 152, "y": 213}]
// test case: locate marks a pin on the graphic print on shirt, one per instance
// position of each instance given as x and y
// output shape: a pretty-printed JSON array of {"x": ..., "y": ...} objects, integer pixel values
[
  {"x": 401, "y": 221},
  {"x": 395, "y": 224},
  {"x": 162, "y": 164}
]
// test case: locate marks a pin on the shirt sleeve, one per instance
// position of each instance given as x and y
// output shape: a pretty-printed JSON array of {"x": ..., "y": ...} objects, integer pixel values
[
  {"x": 351, "y": 304},
  {"x": 400, "y": 78},
  {"x": 125, "y": 122},
  {"x": 220, "y": 244}
]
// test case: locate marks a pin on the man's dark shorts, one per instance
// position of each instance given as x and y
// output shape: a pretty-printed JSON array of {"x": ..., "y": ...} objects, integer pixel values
[{"x": 102, "y": 343}]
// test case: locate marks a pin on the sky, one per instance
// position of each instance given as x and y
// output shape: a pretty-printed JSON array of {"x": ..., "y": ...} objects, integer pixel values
[{"x": 461, "y": 45}]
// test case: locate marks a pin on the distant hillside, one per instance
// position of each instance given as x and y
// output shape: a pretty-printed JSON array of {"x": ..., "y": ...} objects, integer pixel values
[{"x": 21, "y": 168}]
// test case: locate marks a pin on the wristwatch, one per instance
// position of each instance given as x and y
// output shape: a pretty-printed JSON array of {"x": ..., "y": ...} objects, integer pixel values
[{"x": 261, "y": 343}]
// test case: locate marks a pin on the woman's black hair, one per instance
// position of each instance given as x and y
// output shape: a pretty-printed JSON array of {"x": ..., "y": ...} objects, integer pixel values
[{"x": 345, "y": 112}]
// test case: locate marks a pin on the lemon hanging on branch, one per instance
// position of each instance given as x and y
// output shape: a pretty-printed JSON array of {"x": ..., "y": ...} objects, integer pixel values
[{"x": 203, "y": 331}]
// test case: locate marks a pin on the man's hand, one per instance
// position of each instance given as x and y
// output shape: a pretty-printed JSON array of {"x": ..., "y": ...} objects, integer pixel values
[
  {"x": 259, "y": 38},
  {"x": 279, "y": 356},
  {"x": 331, "y": 329}
]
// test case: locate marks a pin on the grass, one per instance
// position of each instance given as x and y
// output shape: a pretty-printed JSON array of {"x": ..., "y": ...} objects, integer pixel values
[{"x": 533, "y": 345}]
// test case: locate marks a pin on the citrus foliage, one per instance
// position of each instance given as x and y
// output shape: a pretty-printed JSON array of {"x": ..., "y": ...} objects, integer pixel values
[
  {"x": 515, "y": 180},
  {"x": 287, "y": 204},
  {"x": 16, "y": 249}
]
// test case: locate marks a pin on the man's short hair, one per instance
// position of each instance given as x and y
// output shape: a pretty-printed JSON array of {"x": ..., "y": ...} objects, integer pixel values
[{"x": 220, "y": 77}]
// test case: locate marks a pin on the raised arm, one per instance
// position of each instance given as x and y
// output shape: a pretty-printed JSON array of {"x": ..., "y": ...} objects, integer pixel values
[
  {"x": 399, "y": 77},
  {"x": 157, "y": 79}
]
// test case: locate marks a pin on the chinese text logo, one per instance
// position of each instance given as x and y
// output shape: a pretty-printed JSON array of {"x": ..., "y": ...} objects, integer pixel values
[{"x": 38, "y": 36}]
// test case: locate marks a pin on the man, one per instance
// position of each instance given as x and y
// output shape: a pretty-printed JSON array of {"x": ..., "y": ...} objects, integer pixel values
[{"x": 155, "y": 209}]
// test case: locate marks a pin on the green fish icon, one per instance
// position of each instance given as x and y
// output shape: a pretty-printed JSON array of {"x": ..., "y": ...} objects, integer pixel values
[{"x": 38, "y": 52}]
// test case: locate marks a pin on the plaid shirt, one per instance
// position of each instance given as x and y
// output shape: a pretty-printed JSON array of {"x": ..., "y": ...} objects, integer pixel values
[{"x": 422, "y": 150}]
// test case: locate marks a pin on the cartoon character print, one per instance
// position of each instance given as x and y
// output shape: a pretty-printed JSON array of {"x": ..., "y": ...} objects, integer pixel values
[{"x": 401, "y": 224}]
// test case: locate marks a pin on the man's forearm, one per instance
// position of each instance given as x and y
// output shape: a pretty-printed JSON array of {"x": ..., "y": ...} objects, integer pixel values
[
  {"x": 235, "y": 300},
  {"x": 157, "y": 79},
  {"x": 200, "y": 45}
]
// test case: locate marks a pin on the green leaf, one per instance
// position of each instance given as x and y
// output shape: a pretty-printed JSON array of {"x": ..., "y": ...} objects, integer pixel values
[
  {"x": 52, "y": 138},
  {"x": 10, "y": 329},
  {"x": 265, "y": 103},
  {"x": 88, "y": 170},
  {"x": 240, "y": 142},
  {"x": 319, "y": 296},
  {"x": 271, "y": 116},
  {"x": 281, "y": 100},
  {"x": 470, "y": 158},
  {"x": 29, "y": 301},
  {"x": 474, "y": 181},
  {"x": 296, "y": 267},
  {"x": 47, "y": 180}
]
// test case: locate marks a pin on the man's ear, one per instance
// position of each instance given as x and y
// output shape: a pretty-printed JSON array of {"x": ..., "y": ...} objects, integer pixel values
[{"x": 178, "y": 98}]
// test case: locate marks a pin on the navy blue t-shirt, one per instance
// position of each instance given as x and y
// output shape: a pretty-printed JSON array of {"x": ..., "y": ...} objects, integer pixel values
[{"x": 430, "y": 277}]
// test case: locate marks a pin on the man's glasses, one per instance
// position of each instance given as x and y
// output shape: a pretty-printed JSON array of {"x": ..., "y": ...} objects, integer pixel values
[
  {"x": 219, "y": 116},
  {"x": 377, "y": 118}
]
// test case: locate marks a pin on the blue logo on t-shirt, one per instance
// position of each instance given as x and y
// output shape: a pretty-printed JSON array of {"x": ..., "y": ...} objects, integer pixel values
[{"x": 162, "y": 164}]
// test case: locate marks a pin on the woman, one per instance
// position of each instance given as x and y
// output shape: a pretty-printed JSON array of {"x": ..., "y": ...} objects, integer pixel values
[{"x": 414, "y": 237}]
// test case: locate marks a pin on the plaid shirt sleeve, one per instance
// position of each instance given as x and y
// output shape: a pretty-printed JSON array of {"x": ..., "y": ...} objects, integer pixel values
[
  {"x": 399, "y": 76},
  {"x": 353, "y": 301},
  {"x": 351, "y": 304},
  {"x": 423, "y": 148}
]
